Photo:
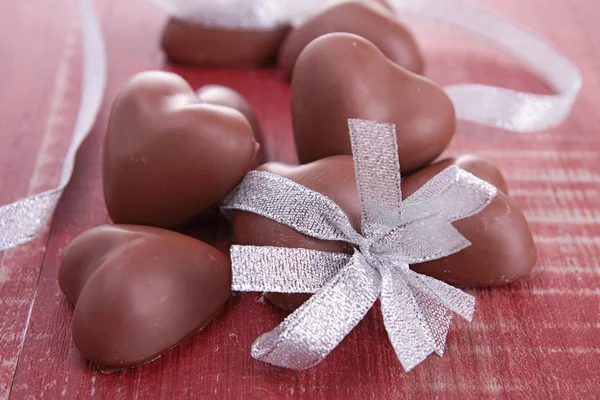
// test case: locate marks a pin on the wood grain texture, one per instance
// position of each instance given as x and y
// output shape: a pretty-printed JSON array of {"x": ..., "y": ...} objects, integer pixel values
[{"x": 537, "y": 338}]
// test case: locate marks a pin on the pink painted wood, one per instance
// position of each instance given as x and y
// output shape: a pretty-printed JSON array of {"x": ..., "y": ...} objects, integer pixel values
[{"x": 537, "y": 338}]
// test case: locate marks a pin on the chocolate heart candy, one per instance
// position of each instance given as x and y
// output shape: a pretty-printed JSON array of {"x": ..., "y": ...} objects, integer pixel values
[
  {"x": 168, "y": 158},
  {"x": 502, "y": 246},
  {"x": 480, "y": 167},
  {"x": 138, "y": 291},
  {"x": 365, "y": 18},
  {"x": 224, "y": 96},
  {"x": 190, "y": 43},
  {"x": 340, "y": 76}
]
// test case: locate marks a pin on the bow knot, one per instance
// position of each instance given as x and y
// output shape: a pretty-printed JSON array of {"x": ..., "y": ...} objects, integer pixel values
[
  {"x": 416, "y": 309},
  {"x": 365, "y": 248}
]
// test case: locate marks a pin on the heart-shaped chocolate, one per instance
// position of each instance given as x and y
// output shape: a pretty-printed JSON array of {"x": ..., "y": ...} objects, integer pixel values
[
  {"x": 368, "y": 19},
  {"x": 480, "y": 167},
  {"x": 502, "y": 247},
  {"x": 340, "y": 76},
  {"x": 138, "y": 291},
  {"x": 189, "y": 43},
  {"x": 168, "y": 157},
  {"x": 224, "y": 96}
]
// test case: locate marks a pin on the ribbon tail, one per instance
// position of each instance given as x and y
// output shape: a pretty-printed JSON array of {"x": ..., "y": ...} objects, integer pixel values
[
  {"x": 283, "y": 270},
  {"x": 309, "y": 334},
  {"x": 23, "y": 220},
  {"x": 454, "y": 299},
  {"x": 406, "y": 325},
  {"x": 437, "y": 316},
  {"x": 437, "y": 300},
  {"x": 438, "y": 319}
]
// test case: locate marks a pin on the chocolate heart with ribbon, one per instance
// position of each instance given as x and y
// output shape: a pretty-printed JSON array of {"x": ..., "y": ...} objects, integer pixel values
[
  {"x": 138, "y": 291},
  {"x": 502, "y": 247},
  {"x": 368, "y": 19},
  {"x": 167, "y": 157},
  {"x": 395, "y": 232},
  {"x": 340, "y": 76}
]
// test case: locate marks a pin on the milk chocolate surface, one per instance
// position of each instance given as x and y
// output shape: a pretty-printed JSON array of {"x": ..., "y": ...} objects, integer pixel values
[
  {"x": 224, "y": 96},
  {"x": 480, "y": 167},
  {"x": 138, "y": 291},
  {"x": 168, "y": 158},
  {"x": 502, "y": 247},
  {"x": 340, "y": 76},
  {"x": 366, "y": 18},
  {"x": 194, "y": 44}
]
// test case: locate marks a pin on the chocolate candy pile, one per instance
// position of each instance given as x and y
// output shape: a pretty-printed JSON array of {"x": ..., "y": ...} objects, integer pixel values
[{"x": 171, "y": 155}]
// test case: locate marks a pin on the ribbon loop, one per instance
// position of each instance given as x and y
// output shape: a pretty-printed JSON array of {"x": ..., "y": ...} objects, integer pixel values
[
  {"x": 283, "y": 270},
  {"x": 445, "y": 195},
  {"x": 375, "y": 151},
  {"x": 403, "y": 319},
  {"x": 309, "y": 334},
  {"x": 423, "y": 240}
]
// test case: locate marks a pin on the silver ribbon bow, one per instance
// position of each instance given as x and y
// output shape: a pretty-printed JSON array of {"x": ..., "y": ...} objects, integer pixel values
[{"x": 416, "y": 309}]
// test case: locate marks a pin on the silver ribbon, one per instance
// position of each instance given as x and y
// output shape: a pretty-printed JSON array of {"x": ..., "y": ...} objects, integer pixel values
[
  {"x": 416, "y": 309},
  {"x": 23, "y": 220}
]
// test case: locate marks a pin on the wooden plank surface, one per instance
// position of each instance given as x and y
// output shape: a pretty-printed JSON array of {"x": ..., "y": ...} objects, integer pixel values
[{"x": 537, "y": 338}]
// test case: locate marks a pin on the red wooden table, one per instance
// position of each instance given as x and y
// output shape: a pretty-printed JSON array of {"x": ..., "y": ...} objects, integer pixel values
[{"x": 537, "y": 338}]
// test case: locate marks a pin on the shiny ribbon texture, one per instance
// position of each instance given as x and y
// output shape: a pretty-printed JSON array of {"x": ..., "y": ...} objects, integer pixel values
[
  {"x": 23, "y": 220},
  {"x": 416, "y": 309}
]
